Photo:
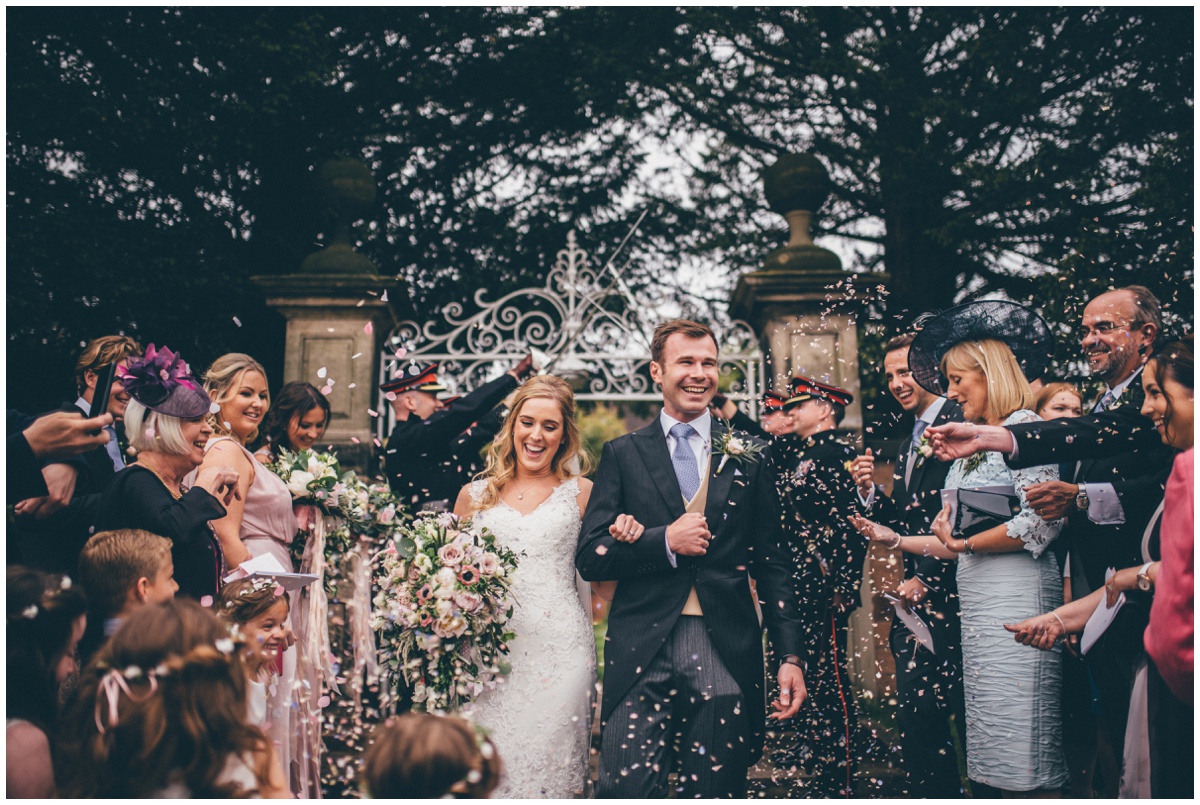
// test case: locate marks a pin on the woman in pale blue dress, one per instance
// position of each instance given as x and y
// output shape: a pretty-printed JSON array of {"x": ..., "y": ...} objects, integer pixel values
[{"x": 1014, "y": 727}]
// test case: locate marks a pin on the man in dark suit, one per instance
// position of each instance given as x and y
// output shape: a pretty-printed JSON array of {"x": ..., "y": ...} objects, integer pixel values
[
  {"x": 54, "y": 528},
  {"x": 775, "y": 427},
  {"x": 1113, "y": 494},
  {"x": 683, "y": 679},
  {"x": 929, "y": 684}
]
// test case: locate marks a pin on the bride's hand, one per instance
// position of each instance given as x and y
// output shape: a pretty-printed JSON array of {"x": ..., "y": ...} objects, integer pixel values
[
  {"x": 626, "y": 529},
  {"x": 874, "y": 531}
]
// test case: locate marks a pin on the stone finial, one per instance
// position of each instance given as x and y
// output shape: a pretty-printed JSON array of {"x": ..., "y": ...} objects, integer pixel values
[
  {"x": 796, "y": 186},
  {"x": 346, "y": 189}
]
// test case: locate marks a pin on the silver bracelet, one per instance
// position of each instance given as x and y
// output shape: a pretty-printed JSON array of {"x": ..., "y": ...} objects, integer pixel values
[
  {"x": 895, "y": 544},
  {"x": 1060, "y": 623}
]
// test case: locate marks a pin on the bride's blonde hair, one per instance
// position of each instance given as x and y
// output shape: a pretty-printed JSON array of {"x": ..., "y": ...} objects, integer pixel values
[{"x": 568, "y": 461}]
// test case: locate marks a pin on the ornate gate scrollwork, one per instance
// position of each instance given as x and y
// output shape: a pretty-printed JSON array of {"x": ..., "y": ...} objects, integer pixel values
[{"x": 584, "y": 320}]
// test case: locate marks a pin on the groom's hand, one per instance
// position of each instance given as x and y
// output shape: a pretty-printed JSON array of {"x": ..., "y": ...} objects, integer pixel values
[
  {"x": 689, "y": 535},
  {"x": 792, "y": 692}
]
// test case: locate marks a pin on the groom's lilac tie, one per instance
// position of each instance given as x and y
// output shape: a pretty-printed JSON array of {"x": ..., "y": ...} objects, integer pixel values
[{"x": 684, "y": 460}]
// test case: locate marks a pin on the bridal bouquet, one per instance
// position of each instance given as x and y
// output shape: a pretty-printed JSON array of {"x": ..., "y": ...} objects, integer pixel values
[{"x": 442, "y": 610}]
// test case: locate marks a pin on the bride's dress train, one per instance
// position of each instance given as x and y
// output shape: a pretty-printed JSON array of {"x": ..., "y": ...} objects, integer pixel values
[{"x": 539, "y": 717}]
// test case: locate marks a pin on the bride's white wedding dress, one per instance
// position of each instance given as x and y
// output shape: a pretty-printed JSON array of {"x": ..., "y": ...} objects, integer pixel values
[{"x": 539, "y": 717}]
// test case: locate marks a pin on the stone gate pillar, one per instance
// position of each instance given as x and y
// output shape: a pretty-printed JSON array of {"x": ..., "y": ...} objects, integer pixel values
[
  {"x": 805, "y": 307},
  {"x": 337, "y": 316}
]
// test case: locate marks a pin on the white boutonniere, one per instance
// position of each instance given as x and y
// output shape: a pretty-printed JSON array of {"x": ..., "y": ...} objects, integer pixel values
[
  {"x": 924, "y": 450},
  {"x": 736, "y": 445}
]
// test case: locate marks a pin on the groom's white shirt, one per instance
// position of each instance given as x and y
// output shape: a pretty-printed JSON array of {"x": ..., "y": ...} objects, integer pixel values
[{"x": 700, "y": 442}]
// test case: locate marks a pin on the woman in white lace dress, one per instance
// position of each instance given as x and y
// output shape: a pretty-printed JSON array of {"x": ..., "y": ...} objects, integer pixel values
[
  {"x": 532, "y": 498},
  {"x": 1014, "y": 727}
]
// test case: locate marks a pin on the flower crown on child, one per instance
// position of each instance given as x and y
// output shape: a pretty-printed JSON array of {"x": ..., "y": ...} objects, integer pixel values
[{"x": 116, "y": 681}]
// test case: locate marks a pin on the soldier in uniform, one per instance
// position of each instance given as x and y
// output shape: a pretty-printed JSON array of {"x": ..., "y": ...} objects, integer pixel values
[
  {"x": 426, "y": 431},
  {"x": 774, "y": 427},
  {"x": 819, "y": 496}
]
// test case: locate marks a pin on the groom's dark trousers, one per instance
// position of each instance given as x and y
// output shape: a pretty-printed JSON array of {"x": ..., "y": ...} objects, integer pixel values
[{"x": 684, "y": 692}]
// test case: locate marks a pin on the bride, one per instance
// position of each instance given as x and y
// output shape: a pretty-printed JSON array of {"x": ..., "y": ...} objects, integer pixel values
[{"x": 532, "y": 497}]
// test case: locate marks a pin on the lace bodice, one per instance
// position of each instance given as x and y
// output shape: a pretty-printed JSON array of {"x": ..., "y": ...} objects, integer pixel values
[
  {"x": 992, "y": 471},
  {"x": 540, "y": 715}
]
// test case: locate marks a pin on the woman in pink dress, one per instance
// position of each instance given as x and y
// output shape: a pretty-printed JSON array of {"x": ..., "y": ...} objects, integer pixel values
[{"x": 258, "y": 521}]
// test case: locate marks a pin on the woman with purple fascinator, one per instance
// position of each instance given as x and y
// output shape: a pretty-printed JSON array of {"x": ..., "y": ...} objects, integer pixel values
[{"x": 167, "y": 430}]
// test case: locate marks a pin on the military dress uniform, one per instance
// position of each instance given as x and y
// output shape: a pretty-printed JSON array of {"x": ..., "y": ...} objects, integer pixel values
[
  {"x": 417, "y": 451},
  {"x": 829, "y": 556}
]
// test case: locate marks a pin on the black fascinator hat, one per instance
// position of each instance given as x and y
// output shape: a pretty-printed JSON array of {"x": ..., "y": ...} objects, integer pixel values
[
  {"x": 162, "y": 381},
  {"x": 1025, "y": 333}
]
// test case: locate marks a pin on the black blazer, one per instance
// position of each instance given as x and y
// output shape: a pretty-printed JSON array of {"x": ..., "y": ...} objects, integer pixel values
[
  {"x": 1119, "y": 447},
  {"x": 911, "y": 509},
  {"x": 636, "y": 477}
]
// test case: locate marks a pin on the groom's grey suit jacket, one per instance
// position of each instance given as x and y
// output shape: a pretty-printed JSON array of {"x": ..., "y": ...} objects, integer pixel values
[{"x": 636, "y": 477}]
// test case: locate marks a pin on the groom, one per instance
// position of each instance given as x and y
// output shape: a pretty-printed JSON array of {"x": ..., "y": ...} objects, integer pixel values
[{"x": 683, "y": 677}]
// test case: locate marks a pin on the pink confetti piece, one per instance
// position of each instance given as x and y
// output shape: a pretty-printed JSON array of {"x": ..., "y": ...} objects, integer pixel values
[
  {"x": 323, "y": 701},
  {"x": 384, "y": 297},
  {"x": 327, "y": 389},
  {"x": 278, "y": 590},
  {"x": 237, "y": 321},
  {"x": 354, "y": 439},
  {"x": 368, "y": 328},
  {"x": 400, "y": 353},
  {"x": 206, "y": 601}
]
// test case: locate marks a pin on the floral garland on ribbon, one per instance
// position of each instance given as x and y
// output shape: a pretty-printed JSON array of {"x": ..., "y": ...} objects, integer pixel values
[{"x": 442, "y": 610}]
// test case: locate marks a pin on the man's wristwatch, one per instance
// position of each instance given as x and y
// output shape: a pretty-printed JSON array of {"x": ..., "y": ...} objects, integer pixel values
[
  {"x": 1081, "y": 500},
  {"x": 1143, "y": 578},
  {"x": 793, "y": 659}
]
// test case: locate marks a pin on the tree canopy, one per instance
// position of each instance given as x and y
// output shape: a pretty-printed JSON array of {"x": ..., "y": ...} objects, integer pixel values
[{"x": 158, "y": 158}]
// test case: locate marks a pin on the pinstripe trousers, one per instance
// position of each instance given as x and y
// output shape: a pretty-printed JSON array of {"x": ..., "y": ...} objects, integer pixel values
[{"x": 685, "y": 713}]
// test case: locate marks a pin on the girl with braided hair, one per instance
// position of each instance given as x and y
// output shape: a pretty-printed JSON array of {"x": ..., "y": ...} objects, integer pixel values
[{"x": 161, "y": 712}]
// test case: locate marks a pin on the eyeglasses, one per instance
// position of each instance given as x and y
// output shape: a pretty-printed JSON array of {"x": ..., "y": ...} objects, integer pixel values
[{"x": 1106, "y": 327}]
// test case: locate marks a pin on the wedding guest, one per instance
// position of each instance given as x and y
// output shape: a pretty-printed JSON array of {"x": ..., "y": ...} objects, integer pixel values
[
  {"x": 1058, "y": 400},
  {"x": 774, "y": 426},
  {"x": 1082, "y": 743},
  {"x": 260, "y": 521},
  {"x": 257, "y": 609},
  {"x": 46, "y": 619},
  {"x": 829, "y": 557},
  {"x": 53, "y": 528},
  {"x": 1159, "y": 732},
  {"x": 161, "y": 713},
  {"x": 122, "y": 571},
  {"x": 426, "y": 430},
  {"x": 427, "y": 756},
  {"x": 929, "y": 684},
  {"x": 32, "y": 441},
  {"x": 978, "y": 355},
  {"x": 295, "y": 421},
  {"x": 1122, "y": 467},
  {"x": 165, "y": 422}
]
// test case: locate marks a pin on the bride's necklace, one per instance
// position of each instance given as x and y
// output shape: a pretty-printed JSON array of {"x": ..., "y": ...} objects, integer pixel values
[{"x": 532, "y": 484}]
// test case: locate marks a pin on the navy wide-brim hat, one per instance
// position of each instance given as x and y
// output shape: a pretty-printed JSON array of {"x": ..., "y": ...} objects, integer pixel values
[
  {"x": 1025, "y": 333},
  {"x": 162, "y": 382}
]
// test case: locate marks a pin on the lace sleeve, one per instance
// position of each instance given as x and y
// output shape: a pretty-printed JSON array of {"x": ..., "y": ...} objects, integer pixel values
[
  {"x": 1035, "y": 532},
  {"x": 478, "y": 487}
]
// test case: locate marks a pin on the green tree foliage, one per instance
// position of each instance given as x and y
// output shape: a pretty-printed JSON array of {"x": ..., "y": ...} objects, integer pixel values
[{"x": 158, "y": 158}]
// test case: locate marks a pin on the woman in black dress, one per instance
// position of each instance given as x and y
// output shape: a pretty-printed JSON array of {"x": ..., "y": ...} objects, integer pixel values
[{"x": 165, "y": 424}]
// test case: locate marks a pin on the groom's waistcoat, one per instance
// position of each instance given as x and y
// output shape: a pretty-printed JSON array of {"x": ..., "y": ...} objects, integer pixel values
[{"x": 696, "y": 506}]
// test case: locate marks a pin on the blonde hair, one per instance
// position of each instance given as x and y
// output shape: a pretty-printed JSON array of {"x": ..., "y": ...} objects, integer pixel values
[
  {"x": 422, "y": 755},
  {"x": 221, "y": 382},
  {"x": 1008, "y": 390},
  {"x": 151, "y": 432},
  {"x": 501, "y": 467},
  {"x": 112, "y": 562},
  {"x": 162, "y": 703}
]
